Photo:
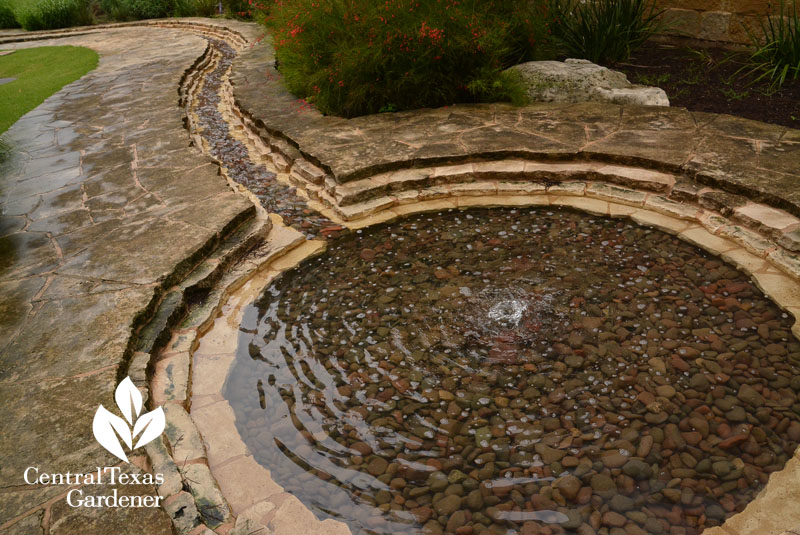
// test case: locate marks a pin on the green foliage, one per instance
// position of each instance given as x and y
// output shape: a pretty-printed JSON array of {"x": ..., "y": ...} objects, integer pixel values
[
  {"x": 7, "y": 17},
  {"x": 117, "y": 9},
  {"x": 777, "y": 54},
  {"x": 196, "y": 8},
  {"x": 604, "y": 30},
  {"x": 39, "y": 73},
  {"x": 356, "y": 57},
  {"x": 125, "y": 10},
  {"x": 137, "y": 9},
  {"x": 52, "y": 14},
  {"x": 240, "y": 9},
  {"x": 652, "y": 79}
]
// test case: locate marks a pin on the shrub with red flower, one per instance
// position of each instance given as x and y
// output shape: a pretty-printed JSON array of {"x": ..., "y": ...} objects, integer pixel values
[{"x": 355, "y": 57}]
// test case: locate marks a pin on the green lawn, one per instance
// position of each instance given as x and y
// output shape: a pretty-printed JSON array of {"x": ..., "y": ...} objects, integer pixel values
[{"x": 39, "y": 73}]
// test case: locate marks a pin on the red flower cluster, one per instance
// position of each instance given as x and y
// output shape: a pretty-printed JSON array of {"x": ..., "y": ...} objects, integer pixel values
[
  {"x": 362, "y": 56},
  {"x": 434, "y": 34}
]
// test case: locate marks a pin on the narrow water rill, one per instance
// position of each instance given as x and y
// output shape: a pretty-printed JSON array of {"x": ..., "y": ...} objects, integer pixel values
[
  {"x": 233, "y": 155},
  {"x": 532, "y": 371}
]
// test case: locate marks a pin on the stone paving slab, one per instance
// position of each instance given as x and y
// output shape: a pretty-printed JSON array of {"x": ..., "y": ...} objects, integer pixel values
[
  {"x": 103, "y": 205},
  {"x": 742, "y": 156}
]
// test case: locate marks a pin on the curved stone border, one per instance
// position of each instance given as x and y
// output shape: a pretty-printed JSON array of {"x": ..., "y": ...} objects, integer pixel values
[
  {"x": 738, "y": 156},
  {"x": 765, "y": 231}
]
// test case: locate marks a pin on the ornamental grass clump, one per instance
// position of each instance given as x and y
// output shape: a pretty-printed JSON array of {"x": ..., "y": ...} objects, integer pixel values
[
  {"x": 52, "y": 14},
  {"x": 604, "y": 30},
  {"x": 124, "y": 10},
  {"x": 777, "y": 48},
  {"x": 7, "y": 17},
  {"x": 356, "y": 57}
]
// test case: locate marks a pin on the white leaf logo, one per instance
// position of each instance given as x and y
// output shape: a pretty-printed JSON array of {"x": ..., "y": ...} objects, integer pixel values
[
  {"x": 151, "y": 425},
  {"x": 128, "y": 397},
  {"x": 107, "y": 427}
]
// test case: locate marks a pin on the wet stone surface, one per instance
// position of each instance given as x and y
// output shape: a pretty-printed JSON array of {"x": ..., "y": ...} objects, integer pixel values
[
  {"x": 275, "y": 197},
  {"x": 518, "y": 371}
]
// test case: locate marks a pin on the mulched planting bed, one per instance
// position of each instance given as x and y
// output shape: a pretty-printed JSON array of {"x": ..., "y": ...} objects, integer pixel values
[{"x": 711, "y": 80}]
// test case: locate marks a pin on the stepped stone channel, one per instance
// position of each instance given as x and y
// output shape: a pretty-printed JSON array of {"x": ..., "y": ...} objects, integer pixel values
[
  {"x": 536, "y": 370},
  {"x": 234, "y": 156}
]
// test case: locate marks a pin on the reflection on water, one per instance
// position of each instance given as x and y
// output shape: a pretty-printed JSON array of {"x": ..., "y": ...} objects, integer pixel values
[{"x": 501, "y": 371}]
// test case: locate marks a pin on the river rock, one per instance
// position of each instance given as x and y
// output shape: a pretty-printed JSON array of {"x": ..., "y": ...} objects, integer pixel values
[
  {"x": 637, "y": 469},
  {"x": 614, "y": 520},
  {"x": 377, "y": 466},
  {"x": 456, "y": 520},
  {"x": 569, "y": 486},
  {"x": 603, "y": 485},
  {"x": 621, "y": 503},
  {"x": 432, "y": 527},
  {"x": 722, "y": 468},
  {"x": 549, "y": 455},
  {"x": 475, "y": 500},
  {"x": 613, "y": 458},
  {"x": 574, "y": 520},
  {"x": 749, "y": 395},
  {"x": 447, "y": 505}
]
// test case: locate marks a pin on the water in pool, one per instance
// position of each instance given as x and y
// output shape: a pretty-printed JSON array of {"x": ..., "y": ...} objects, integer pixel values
[{"x": 517, "y": 371}]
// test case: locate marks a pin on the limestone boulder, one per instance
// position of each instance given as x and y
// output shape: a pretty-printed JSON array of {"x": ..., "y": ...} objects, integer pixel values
[{"x": 579, "y": 80}]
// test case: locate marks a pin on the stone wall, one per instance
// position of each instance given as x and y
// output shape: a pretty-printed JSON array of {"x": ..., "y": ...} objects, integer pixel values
[{"x": 717, "y": 20}]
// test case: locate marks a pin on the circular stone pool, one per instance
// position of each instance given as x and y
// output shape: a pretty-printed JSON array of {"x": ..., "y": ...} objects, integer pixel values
[{"x": 507, "y": 370}]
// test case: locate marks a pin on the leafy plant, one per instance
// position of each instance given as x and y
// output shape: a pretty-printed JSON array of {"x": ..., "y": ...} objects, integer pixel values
[
  {"x": 117, "y": 9},
  {"x": 184, "y": 8},
  {"x": 205, "y": 8},
  {"x": 51, "y": 14},
  {"x": 239, "y": 9},
  {"x": 150, "y": 9},
  {"x": 701, "y": 55},
  {"x": 7, "y": 17},
  {"x": 604, "y": 30},
  {"x": 732, "y": 94},
  {"x": 355, "y": 57},
  {"x": 777, "y": 54}
]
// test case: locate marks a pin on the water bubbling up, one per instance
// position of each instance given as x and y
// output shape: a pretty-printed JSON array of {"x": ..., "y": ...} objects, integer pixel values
[{"x": 508, "y": 313}]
